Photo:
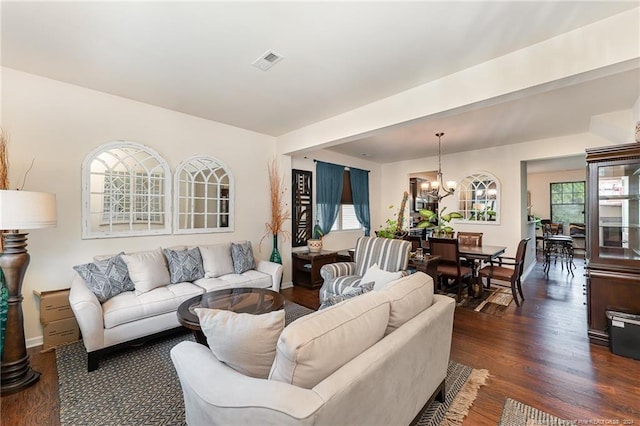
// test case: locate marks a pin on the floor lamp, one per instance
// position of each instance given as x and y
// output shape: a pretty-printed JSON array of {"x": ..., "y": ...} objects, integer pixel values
[{"x": 19, "y": 210}]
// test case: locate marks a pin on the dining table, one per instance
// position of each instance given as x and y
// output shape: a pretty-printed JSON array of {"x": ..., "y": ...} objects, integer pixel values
[
  {"x": 559, "y": 246},
  {"x": 476, "y": 255}
]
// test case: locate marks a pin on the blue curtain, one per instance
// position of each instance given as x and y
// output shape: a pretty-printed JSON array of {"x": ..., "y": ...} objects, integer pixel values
[
  {"x": 360, "y": 196},
  {"x": 329, "y": 191}
]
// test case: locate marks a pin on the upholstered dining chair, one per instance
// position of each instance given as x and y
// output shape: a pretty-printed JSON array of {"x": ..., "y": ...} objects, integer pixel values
[
  {"x": 449, "y": 265},
  {"x": 498, "y": 271}
]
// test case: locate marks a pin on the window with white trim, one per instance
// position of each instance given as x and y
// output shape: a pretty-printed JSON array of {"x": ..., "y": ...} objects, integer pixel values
[
  {"x": 204, "y": 196},
  {"x": 347, "y": 219}
]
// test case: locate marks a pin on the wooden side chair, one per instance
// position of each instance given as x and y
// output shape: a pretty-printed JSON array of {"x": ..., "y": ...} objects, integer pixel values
[
  {"x": 470, "y": 238},
  {"x": 450, "y": 265},
  {"x": 498, "y": 271}
]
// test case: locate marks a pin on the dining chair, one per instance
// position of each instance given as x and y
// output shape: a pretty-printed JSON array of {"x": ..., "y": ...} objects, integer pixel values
[
  {"x": 470, "y": 238},
  {"x": 498, "y": 271},
  {"x": 450, "y": 265}
]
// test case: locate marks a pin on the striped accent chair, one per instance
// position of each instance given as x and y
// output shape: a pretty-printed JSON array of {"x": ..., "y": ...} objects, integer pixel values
[{"x": 391, "y": 255}]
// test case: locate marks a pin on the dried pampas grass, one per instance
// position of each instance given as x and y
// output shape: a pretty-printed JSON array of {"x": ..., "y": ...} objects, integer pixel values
[
  {"x": 4, "y": 160},
  {"x": 279, "y": 211}
]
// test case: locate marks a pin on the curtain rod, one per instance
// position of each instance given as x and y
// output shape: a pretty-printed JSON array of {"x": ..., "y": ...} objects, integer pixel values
[{"x": 346, "y": 167}]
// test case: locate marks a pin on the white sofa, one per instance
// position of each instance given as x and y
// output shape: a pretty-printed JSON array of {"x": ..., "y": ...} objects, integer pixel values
[
  {"x": 134, "y": 316},
  {"x": 375, "y": 359}
]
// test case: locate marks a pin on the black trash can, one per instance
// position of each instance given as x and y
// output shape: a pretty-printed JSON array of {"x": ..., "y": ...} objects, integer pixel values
[{"x": 624, "y": 334}]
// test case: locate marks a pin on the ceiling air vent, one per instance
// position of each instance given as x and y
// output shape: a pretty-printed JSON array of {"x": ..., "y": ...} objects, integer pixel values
[{"x": 267, "y": 60}]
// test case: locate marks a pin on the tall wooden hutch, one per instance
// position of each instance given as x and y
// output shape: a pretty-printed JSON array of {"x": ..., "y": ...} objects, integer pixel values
[{"x": 613, "y": 235}]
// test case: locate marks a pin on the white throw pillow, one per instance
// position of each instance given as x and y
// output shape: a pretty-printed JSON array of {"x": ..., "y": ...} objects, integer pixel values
[
  {"x": 216, "y": 259},
  {"x": 379, "y": 277},
  {"x": 245, "y": 342},
  {"x": 147, "y": 269}
]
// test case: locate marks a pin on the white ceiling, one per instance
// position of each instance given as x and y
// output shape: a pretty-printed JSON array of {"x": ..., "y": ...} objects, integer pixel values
[{"x": 195, "y": 57}]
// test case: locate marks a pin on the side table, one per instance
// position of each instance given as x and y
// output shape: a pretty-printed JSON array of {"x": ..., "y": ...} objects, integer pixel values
[
  {"x": 429, "y": 265},
  {"x": 306, "y": 267}
]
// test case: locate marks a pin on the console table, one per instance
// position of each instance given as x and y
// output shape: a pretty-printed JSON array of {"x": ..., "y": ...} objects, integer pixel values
[{"x": 306, "y": 267}]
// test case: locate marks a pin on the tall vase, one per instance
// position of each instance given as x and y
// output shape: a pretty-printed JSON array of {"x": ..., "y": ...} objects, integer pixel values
[{"x": 275, "y": 254}]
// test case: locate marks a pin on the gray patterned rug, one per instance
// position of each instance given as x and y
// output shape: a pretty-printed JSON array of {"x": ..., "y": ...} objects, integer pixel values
[
  {"x": 139, "y": 386},
  {"x": 515, "y": 413}
]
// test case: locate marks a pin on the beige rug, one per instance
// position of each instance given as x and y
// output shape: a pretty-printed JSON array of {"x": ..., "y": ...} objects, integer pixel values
[
  {"x": 497, "y": 302},
  {"x": 459, "y": 408},
  {"x": 515, "y": 413}
]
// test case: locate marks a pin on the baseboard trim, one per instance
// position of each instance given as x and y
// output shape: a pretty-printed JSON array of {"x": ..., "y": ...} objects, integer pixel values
[{"x": 34, "y": 341}]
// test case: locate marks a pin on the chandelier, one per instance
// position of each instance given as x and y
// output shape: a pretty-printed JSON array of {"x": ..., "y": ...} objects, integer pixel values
[{"x": 438, "y": 189}]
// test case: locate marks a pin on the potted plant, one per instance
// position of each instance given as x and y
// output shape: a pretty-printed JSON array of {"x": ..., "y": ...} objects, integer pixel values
[
  {"x": 393, "y": 228},
  {"x": 440, "y": 223},
  {"x": 315, "y": 244}
]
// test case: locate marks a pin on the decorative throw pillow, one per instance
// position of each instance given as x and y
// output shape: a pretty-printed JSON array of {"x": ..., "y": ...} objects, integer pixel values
[
  {"x": 245, "y": 342},
  {"x": 347, "y": 293},
  {"x": 380, "y": 277},
  {"x": 147, "y": 269},
  {"x": 184, "y": 265},
  {"x": 242, "y": 255},
  {"x": 106, "y": 278},
  {"x": 216, "y": 259}
]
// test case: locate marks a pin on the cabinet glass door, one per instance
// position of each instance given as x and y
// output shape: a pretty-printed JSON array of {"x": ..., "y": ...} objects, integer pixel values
[{"x": 619, "y": 211}]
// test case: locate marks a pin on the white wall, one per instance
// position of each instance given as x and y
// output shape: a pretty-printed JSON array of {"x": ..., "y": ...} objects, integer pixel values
[{"x": 57, "y": 124}]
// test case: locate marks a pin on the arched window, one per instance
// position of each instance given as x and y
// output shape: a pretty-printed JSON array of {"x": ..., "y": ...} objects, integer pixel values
[
  {"x": 125, "y": 186},
  {"x": 479, "y": 198},
  {"x": 203, "y": 196}
]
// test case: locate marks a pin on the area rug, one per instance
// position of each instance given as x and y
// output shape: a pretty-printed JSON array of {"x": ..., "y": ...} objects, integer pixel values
[
  {"x": 515, "y": 413},
  {"x": 494, "y": 301},
  {"x": 140, "y": 386}
]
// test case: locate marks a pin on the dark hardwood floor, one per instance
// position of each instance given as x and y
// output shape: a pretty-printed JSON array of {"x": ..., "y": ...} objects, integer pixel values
[{"x": 538, "y": 354}]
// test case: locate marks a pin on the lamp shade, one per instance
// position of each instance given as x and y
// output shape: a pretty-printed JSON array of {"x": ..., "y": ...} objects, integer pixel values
[{"x": 27, "y": 210}]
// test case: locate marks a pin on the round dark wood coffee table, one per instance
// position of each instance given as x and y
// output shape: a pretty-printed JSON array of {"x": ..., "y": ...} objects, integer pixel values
[{"x": 240, "y": 300}]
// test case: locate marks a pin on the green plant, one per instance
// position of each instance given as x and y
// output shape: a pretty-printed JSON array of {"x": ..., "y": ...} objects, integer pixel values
[
  {"x": 389, "y": 231},
  {"x": 317, "y": 232},
  {"x": 394, "y": 227},
  {"x": 441, "y": 223}
]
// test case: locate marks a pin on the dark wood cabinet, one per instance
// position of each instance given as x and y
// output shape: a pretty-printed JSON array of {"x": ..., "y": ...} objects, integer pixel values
[
  {"x": 306, "y": 267},
  {"x": 613, "y": 235}
]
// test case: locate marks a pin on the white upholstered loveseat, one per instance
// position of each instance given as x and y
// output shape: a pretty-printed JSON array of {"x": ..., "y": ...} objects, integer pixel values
[
  {"x": 375, "y": 359},
  {"x": 148, "y": 306}
]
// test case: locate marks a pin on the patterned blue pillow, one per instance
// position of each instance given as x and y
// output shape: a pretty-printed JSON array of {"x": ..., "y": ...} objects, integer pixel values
[
  {"x": 242, "y": 255},
  {"x": 184, "y": 265},
  {"x": 106, "y": 278},
  {"x": 348, "y": 293}
]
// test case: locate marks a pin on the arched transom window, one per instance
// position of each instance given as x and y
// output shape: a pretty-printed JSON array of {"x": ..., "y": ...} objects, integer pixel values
[
  {"x": 125, "y": 191},
  {"x": 203, "y": 196},
  {"x": 479, "y": 198}
]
